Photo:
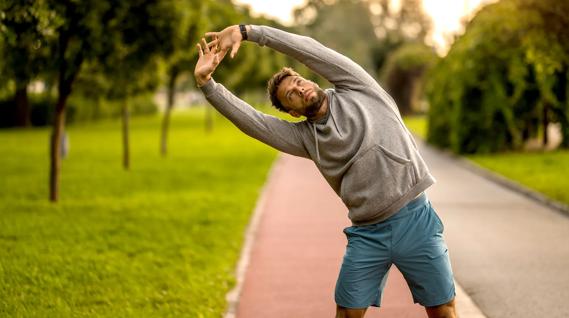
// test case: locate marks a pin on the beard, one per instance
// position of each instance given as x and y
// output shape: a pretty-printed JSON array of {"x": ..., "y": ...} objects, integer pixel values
[{"x": 315, "y": 104}]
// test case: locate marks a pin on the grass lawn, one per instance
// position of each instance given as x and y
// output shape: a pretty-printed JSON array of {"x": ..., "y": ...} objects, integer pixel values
[
  {"x": 161, "y": 240},
  {"x": 417, "y": 125},
  {"x": 545, "y": 172}
]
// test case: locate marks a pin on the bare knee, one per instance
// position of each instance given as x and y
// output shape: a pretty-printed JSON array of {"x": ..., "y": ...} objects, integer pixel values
[
  {"x": 442, "y": 311},
  {"x": 343, "y": 312}
]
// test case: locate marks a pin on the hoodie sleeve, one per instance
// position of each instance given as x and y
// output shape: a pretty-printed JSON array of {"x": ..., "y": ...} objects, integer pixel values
[
  {"x": 333, "y": 66},
  {"x": 275, "y": 132}
]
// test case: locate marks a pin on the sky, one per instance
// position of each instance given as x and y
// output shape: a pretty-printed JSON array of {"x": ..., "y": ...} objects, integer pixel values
[{"x": 446, "y": 15}]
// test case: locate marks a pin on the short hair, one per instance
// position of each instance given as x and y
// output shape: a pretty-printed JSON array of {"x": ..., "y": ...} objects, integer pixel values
[{"x": 273, "y": 86}]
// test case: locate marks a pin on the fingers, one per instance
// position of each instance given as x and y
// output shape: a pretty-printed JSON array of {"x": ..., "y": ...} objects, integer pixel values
[
  {"x": 221, "y": 55},
  {"x": 235, "y": 48},
  {"x": 205, "y": 46},
  {"x": 214, "y": 45},
  {"x": 213, "y": 42},
  {"x": 200, "y": 51},
  {"x": 212, "y": 34}
]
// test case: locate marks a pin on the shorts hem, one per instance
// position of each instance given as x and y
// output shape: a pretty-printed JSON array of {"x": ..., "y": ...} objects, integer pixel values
[
  {"x": 357, "y": 306},
  {"x": 438, "y": 302}
]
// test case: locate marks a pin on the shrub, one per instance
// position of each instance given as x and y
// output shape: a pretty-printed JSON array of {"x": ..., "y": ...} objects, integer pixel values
[{"x": 504, "y": 79}]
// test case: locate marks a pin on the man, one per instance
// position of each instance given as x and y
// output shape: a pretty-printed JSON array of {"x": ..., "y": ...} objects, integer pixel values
[{"x": 356, "y": 137}]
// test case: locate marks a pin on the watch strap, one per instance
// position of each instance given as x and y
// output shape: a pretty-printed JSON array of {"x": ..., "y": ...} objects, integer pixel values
[{"x": 243, "y": 30}]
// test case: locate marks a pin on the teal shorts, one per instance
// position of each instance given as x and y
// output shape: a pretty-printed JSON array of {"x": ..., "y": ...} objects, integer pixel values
[{"x": 412, "y": 239}]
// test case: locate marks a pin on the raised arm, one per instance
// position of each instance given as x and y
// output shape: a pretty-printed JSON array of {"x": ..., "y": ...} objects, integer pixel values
[
  {"x": 280, "y": 134},
  {"x": 333, "y": 66}
]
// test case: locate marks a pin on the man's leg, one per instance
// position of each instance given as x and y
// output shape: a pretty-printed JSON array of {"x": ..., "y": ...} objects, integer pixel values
[
  {"x": 364, "y": 270},
  {"x": 421, "y": 255},
  {"x": 447, "y": 310},
  {"x": 342, "y": 312}
]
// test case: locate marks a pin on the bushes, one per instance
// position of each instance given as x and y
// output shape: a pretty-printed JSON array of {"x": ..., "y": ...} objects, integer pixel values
[
  {"x": 504, "y": 79},
  {"x": 403, "y": 75}
]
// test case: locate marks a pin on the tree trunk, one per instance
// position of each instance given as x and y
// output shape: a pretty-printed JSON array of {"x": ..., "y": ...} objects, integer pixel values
[
  {"x": 545, "y": 123},
  {"x": 126, "y": 150},
  {"x": 65, "y": 81},
  {"x": 55, "y": 144},
  {"x": 170, "y": 104},
  {"x": 563, "y": 115},
  {"x": 22, "y": 106},
  {"x": 564, "y": 134}
]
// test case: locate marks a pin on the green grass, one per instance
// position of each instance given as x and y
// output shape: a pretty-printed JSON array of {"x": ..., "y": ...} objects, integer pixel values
[
  {"x": 545, "y": 172},
  {"x": 161, "y": 240},
  {"x": 417, "y": 125}
]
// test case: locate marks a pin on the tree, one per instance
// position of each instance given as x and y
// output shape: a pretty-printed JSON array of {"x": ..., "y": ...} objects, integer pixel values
[
  {"x": 546, "y": 45},
  {"x": 404, "y": 72},
  {"x": 79, "y": 37},
  {"x": 393, "y": 28},
  {"x": 26, "y": 26},
  {"x": 320, "y": 20},
  {"x": 141, "y": 32},
  {"x": 181, "y": 61},
  {"x": 101, "y": 31},
  {"x": 504, "y": 80}
]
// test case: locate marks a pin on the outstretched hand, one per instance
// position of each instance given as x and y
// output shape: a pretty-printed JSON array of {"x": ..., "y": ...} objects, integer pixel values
[
  {"x": 210, "y": 55},
  {"x": 229, "y": 38}
]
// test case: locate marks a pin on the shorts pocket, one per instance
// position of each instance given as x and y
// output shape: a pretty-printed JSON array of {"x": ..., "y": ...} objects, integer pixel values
[{"x": 437, "y": 218}]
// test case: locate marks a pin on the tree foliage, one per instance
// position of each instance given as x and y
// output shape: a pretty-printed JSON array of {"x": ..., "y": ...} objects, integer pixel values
[
  {"x": 342, "y": 25},
  {"x": 504, "y": 80},
  {"x": 404, "y": 72},
  {"x": 394, "y": 28},
  {"x": 25, "y": 28}
]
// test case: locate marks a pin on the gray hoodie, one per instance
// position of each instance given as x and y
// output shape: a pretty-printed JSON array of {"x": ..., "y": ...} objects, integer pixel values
[{"x": 361, "y": 146}]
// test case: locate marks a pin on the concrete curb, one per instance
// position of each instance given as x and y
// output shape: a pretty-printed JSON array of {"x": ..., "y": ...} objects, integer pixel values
[
  {"x": 233, "y": 295},
  {"x": 501, "y": 180},
  {"x": 465, "y": 307}
]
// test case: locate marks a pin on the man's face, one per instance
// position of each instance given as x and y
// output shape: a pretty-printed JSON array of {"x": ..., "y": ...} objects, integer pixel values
[{"x": 300, "y": 97}]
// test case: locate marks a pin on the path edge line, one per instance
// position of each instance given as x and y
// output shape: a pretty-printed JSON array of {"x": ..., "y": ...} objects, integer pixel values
[
  {"x": 501, "y": 180},
  {"x": 232, "y": 297}
]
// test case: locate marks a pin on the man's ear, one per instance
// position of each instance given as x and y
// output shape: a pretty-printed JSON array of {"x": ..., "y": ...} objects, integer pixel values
[{"x": 293, "y": 113}]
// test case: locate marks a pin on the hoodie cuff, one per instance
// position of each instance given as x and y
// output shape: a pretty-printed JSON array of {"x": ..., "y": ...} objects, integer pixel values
[{"x": 209, "y": 87}]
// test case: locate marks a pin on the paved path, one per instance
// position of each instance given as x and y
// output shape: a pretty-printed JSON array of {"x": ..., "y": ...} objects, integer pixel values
[{"x": 509, "y": 253}]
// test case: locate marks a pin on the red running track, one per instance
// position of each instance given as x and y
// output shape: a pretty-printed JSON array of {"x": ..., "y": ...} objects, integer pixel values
[{"x": 298, "y": 249}]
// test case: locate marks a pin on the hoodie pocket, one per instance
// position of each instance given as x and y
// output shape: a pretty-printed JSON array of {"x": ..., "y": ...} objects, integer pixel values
[{"x": 376, "y": 179}]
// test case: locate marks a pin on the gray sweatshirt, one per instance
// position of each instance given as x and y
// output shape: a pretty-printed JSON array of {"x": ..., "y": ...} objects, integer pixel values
[{"x": 361, "y": 146}]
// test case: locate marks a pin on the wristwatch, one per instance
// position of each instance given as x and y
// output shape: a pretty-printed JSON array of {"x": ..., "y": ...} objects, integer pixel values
[{"x": 243, "y": 30}]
